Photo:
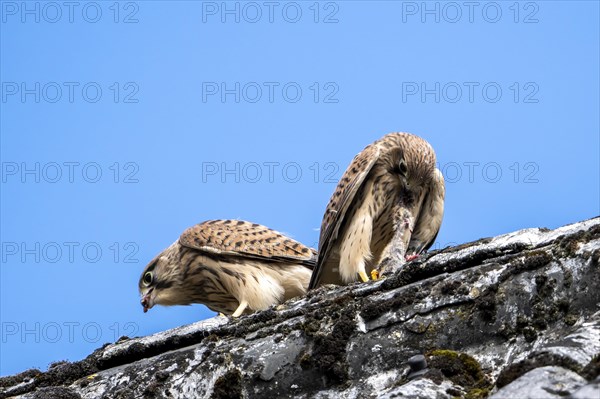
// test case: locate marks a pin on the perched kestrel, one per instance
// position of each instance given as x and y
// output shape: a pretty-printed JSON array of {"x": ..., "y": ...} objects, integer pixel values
[
  {"x": 231, "y": 266},
  {"x": 387, "y": 207}
]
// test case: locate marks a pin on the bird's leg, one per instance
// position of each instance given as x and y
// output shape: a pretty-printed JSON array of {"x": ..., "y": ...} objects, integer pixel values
[
  {"x": 363, "y": 276},
  {"x": 240, "y": 309}
]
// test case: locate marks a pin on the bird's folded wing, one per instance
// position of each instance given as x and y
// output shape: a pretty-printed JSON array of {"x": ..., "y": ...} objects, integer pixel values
[
  {"x": 340, "y": 201},
  {"x": 429, "y": 221},
  {"x": 241, "y": 238}
]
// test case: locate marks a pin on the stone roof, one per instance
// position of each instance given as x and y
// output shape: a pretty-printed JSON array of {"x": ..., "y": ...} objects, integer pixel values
[{"x": 515, "y": 316}]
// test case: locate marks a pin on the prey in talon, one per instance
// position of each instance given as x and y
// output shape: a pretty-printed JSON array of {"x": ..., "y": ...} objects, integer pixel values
[
  {"x": 387, "y": 209},
  {"x": 233, "y": 267}
]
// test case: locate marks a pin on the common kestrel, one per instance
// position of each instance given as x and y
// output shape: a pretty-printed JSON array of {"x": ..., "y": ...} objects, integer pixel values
[
  {"x": 387, "y": 207},
  {"x": 231, "y": 266}
]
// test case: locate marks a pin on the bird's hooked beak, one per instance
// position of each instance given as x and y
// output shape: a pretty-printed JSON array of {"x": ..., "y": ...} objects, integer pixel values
[{"x": 147, "y": 300}]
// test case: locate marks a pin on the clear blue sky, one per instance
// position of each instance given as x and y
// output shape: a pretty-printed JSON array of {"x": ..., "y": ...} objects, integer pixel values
[{"x": 124, "y": 124}]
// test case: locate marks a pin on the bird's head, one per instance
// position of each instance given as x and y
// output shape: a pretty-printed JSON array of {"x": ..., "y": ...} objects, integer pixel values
[
  {"x": 160, "y": 280},
  {"x": 414, "y": 163}
]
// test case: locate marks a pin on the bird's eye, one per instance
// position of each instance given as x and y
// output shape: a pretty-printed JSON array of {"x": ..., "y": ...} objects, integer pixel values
[
  {"x": 403, "y": 168},
  {"x": 147, "y": 278}
]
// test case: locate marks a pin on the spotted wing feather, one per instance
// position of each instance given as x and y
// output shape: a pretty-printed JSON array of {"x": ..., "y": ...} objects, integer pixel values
[
  {"x": 241, "y": 238},
  {"x": 430, "y": 217},
  {"x": 340, "y": 201}
]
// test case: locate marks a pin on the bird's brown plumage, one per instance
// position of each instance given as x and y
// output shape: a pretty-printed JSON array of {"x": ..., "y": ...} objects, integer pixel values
[
  {"x": 390, "y": 188},
  {"x": 241, "y": 238},
  {"x": 231, "y": 266}
]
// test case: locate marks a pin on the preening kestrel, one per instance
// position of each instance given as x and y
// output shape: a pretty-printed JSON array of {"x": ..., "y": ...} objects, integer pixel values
[
  {"x": 388, "y": 205},
  {"x": 231, "y": 266}
]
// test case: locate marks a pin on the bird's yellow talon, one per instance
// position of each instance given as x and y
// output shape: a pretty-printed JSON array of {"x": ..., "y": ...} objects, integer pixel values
[
  {"x": 374, "y": 274},
  {"x": 363, "y": 276}
]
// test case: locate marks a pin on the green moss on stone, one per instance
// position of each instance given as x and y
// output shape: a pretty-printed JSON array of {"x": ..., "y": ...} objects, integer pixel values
[{"x": 462, "y": 369}]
